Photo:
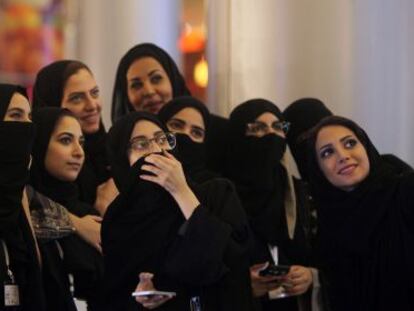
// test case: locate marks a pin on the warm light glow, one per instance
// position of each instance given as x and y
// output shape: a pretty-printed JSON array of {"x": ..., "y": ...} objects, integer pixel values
[{"x": 201, "y": 73}]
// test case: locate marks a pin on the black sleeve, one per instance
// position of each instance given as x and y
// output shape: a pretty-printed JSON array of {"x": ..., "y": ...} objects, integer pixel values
[
  {"x": 10, "y": 205},
  {"x": 407, "y": 190},
  {"x": 216, "y": 237}
]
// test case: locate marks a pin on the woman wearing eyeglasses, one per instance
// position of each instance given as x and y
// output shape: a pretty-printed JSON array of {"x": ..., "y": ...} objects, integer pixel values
[
  {"x": 161, "y": 233},
  {"x": 189, "y": 118},
  {"x": 273, "y": 202}
]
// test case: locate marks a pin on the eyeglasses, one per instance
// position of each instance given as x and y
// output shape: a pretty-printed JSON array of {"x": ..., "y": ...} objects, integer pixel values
[
  {"x": 258, "y": 127},
  {"x": 166, "y": 141}
]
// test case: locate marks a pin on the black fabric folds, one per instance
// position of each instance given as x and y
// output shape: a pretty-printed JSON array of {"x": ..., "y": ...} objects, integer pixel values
[
  {"x": 366, "y": 235},
  {"x": 120, "y": 103},
  {"x": 16, "y": 140},
  {"x": 49, "y": 85},
  {"x": 6, "y": 93},
  {"x": 80, "y": 259},
  {"x": 144, "y": 230},
  {"x": 303, "y": 114},
  {"x": 190, "y": 153},
  {"x": 253, "y": 164},
  {"x": 48, "y": 92}
]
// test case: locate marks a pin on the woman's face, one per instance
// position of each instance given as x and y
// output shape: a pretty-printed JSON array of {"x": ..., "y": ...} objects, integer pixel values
[
  {"x": 146, "y": 138},
  {"x": 19, "y": 109},
  {"x": 81, "y": 97},
  {"x": 341, "y": 157},
  {"x": 148, "y": 85},
  {"x": 266, "y": 123},
  {"x": 65, "y": 156},
  {"x": 188, "y": 121}
]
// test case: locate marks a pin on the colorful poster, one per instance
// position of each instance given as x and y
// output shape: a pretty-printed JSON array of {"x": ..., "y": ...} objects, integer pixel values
[{"x": 31, "y": 36}]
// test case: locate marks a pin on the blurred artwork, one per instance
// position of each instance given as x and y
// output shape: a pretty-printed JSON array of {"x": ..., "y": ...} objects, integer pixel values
[{"x": 31, "y": 36}]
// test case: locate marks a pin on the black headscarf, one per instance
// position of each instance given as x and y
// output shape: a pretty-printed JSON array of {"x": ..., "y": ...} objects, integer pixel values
[
  {"x": 48, "y": 92},
  {"x": 80, "y": 259},
  {"x": 63, "y": 192},
  {"x": 120, "y": 103},
  {"x": 49, "y": 84},
  {"x": 16, "y": 140},
  {"x": 143, "y": 210},
  {"x": 303, "y": 114},
  {"x": 15, "y": 146},
  {"x": 6, "y": 93},
  {"x": 190, "y": 153},
  {"x": 364, "y": 235},
  {"x": 253, "y": 164}
]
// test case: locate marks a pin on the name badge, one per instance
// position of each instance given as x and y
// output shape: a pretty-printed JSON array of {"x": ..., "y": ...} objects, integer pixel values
[{"x": 11, "y": 295}]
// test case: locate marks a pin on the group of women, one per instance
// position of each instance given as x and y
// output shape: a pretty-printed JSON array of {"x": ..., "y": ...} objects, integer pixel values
[{"x": 175, "y": 199}]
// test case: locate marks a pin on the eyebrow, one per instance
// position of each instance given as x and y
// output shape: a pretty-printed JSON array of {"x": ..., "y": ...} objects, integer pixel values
[
  {"x": 198, "y": 128},
  {"x": 341, "y": 140},
  {"x": 15, "y": 109},
  {"x": 178, "y": 120},
  {"x": 184, "y": 122},
  {"x": 149, "y": 74},
  {"x": 76, "y": 93},
  {"x": 65, "y": 133}
]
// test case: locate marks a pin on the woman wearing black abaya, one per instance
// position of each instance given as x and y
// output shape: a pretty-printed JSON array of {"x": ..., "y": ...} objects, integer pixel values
[
  {"x": 57, "y": 159},
  {"x": 303, "y": 114},
  {"x": 166, "y": 234},
  {"x": 70, "y": 84},
  {"x": 17, "y": 240},
  {"x": 366, "y": 219},
  {"x": 272, "y": 198},
  {"x": 189, "y": 118},
  {"x": 146, "y": 79}
]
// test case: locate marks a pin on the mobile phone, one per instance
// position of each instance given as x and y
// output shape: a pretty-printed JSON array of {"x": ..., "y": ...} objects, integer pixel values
[
  {"x": 152, "y": 293},
  {"x": 274, "y": 270}
]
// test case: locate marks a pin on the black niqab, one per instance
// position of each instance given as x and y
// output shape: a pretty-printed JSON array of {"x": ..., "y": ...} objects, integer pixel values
[
  {"x": 191, "y": 154},
  {"x": 366, "y": 234},
  {"x": 16, "y": 142},
  {"x": 120, "y": 102},
  {"x": 254, "y": 166},
  {"x": 143, "y": 209}
]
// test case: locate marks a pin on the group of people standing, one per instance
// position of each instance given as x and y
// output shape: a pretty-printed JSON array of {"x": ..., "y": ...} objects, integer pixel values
[{"x": 175, "y": 199}]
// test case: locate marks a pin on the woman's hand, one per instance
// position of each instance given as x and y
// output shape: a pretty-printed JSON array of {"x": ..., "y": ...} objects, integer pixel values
[
  {"x": 261, "y": 285},
  {"x": 89, "y": 229},
  {"x": 105, "y": 194},
  {"x": 300, "y": 279},
  {"x": 145, "y": 284},
  {"x": 169, "y": 174}
]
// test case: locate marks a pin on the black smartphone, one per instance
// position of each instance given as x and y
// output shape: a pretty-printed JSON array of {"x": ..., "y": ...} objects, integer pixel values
[{"x": 274, "y": 270}]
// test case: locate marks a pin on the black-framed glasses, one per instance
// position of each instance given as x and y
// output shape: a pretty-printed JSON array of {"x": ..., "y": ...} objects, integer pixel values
[
  {"x": 166, "y": 141},
  {"x": 259, "y": 127}
]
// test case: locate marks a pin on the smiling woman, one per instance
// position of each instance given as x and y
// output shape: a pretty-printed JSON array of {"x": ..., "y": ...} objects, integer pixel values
[
  {"x": 366, "y": 219},
  {"x": 70, "y": 84}
]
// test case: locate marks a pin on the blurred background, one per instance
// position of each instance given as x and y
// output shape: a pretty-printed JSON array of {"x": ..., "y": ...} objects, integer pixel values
[{"x": 355, "y": 55}]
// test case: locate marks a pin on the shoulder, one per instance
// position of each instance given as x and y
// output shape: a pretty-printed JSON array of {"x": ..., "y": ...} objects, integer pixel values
[
  {"x": 219, "y": 196},
  {"x": 218, "y": 186}
]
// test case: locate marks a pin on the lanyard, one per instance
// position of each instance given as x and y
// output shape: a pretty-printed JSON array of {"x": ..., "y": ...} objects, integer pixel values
[{"x": 7, "y": 259}]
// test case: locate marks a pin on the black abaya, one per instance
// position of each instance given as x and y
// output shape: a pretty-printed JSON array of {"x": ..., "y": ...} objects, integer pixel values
[
  {"x": 15, "y": 144},
  {"x": 366, "y": 235},
  {"x": 145, "y": 231}
]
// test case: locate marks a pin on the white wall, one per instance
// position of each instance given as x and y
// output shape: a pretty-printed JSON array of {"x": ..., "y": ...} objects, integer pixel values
[
  {"x": 107, "y": 29},
  {"x": 355, "y": 55}
]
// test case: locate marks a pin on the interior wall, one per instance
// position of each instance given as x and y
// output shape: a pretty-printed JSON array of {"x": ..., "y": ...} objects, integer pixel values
[{"x": 354, "y": 55}]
